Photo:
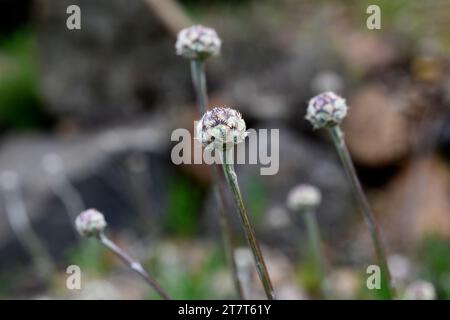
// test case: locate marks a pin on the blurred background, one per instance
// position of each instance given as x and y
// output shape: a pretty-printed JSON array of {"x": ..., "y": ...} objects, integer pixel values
[{"x": 86, "y": 117}]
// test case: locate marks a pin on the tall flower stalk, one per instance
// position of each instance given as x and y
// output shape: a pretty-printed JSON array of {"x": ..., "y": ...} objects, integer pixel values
[
  {"x": 228, "y": 169},
  {"x": 197, "y": 43},
  {"x": 91, "y": 223},
  {"x": 338, "y": 140},
  {"x": 305, "y": 199},
  {"x": 327, "y": 110},
  {"x": 221, "y": 129},
  {"x": 199, "y": 81}
]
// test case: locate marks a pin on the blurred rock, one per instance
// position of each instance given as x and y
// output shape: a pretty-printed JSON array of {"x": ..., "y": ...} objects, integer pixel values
[
  {"x": 444, "y": 138},
  {"x": 121, "y": 172},
  {"x": 377, "y": 132},
  {"x": 416, "y": 203},
  {"x": 363, "y": 51},
  {"x": 284, "y": 86},
  {"x": 121, "y": 63}
]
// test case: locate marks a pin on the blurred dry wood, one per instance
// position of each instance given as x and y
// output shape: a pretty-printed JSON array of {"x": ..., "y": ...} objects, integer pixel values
[{"x": 170, "y": 14}]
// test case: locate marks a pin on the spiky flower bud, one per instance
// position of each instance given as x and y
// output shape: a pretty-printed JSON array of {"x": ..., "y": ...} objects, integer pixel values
[
  {"x": 90, "y": 223},
  {"x": 420, "y": 290},
  {"x": 326, "y": 109},
  {"x": 198, "y": 42},
  {"x": 304, "y": 197},
  {"x": 221, "y": 128}
]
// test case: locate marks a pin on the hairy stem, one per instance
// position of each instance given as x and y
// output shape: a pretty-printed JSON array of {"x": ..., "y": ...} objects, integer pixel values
[
  {"x": 230, "y": 174},
  {"x": 134, "y": 265},
  {"x": 338, "y": 139},
  {"x": 199, "y": 82}
]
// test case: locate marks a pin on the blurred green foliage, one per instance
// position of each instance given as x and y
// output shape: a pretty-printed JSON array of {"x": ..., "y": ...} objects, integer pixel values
[
  {"x": 308, "y": 277},
  {"x": 415, "y": 20},
  {"x": 20, "y": 106},
  {"x": 256, "y": 197},
  {"x": 183, "y": 205},
  {"x": 7, "y": 279},
  {"x": 89, "y": 255},
  {"x": 185, "y": 282},
  {"x": 435, "y": 256}
]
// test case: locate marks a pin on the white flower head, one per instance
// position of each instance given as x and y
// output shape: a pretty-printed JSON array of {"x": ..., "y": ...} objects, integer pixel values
[
  {"x": 221, "y": 128},
  {"x": 90, "y": 223},
  {"x": 326, "y": 109},
  {"x": 304, "y": 197},
  {"x": 198, "y": 42},
  {"x": 400, "y": 267},
  {"x": 420, "y": 290}
]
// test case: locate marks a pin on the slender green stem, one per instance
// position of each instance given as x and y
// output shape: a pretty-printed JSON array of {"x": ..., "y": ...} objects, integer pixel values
[
  {"x": 199, "y": 82},
  {"x": 225, "y": 224},
  {"x": 134, "y": 265},
  {"x": 231, "y": 177},
  {"x": 338, "y": 139},
  {"x": 315, "y": 247}
]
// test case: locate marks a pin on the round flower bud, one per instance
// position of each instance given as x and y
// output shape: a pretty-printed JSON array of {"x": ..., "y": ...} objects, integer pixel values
[
  {"x": 221, "y": 128},
  {"x": 420, "y": 290},
  {"x": 90, "y": 223},
  {"x": 198, "y": 42},
  {"x": 326, "y": 109},
  {"x": 304, "y": 197}
]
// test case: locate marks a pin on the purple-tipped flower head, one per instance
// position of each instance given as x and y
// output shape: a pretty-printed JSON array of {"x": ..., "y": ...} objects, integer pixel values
[
  {"x": 198, "y": 42},
  {"x": 221, "y": 128},
  {"x": 326, "y": 110},
  {"x": 90, "y": 223}
]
